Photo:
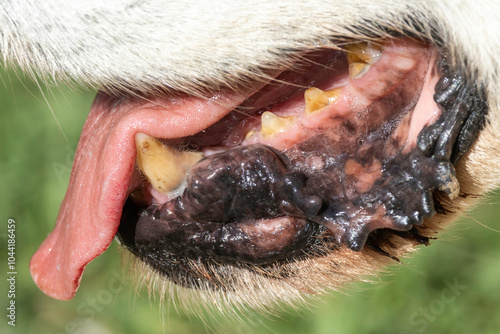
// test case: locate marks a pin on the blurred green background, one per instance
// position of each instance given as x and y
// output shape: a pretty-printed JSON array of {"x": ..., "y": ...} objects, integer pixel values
[{"x": 36, "y": 155}]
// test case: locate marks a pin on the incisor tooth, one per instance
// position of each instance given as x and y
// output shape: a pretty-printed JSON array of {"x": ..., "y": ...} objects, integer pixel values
[
  {"x": 360, "y": 56},
  {"x": 316, "y": 98},
  {"x": 271, "y": 123},
  {"x": 164, "y": 167}
]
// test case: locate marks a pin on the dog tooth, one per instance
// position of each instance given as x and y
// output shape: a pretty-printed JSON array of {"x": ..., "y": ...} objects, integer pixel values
[
  {"x": 360, "y": 56},
  {"x": 164, "y": 167},
  {"x": 249, "y": 134},
  {"x": 271, "y": 123},
  {"x": 316, "y": 98}
]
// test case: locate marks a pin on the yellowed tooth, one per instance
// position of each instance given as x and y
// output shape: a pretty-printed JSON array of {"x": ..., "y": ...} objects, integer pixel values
[
  {"x": 249, "y": 134},
  {"x": 164, "y": 167},
  {"x": 316, "y": 98},
  {"x": 360, "y": 56},
  {"x": 271, "y": 123}
]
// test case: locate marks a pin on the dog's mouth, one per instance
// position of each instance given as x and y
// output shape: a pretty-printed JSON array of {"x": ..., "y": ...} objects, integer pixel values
[{"x": 346, "y": 142}]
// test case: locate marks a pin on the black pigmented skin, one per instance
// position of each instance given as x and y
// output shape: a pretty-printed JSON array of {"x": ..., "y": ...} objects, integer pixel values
[
  {"x": 247, "y": 185},
  {"x": 243, "y": 183},
  {"x": 232, "y": 195},
  {"x": 464, "y": 115}
]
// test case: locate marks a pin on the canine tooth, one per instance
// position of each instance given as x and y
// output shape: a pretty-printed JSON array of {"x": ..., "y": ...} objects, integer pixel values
[
  {"x": 360, "y": 56},
  {"x": 164, "y": 167},
  {"x": 316, "y": 98},
  {"x": 271, "y": 123}
]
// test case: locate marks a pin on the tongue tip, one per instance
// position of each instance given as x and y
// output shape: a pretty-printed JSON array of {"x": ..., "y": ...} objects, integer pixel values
[
  {"x": 57, "y": 266},
  {"x": 57, "y": 271},
  {"x": 52, "y": 289},
  {"x": 51, "y": 274}
]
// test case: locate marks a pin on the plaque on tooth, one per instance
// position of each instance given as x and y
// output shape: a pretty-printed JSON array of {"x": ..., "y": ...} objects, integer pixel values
[{"x": 164, "y": 167}]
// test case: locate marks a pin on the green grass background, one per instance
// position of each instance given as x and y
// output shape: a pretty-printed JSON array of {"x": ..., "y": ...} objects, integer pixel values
[{"x": 35, "y": 163}]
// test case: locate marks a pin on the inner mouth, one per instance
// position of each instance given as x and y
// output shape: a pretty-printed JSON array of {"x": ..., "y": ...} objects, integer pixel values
[
  {"x": 344, "y": 147},
  {"x": 326, "y": 153}
]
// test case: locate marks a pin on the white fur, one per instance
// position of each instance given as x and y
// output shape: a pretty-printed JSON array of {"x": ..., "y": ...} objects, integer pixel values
[{"x": 185, "y": 44}]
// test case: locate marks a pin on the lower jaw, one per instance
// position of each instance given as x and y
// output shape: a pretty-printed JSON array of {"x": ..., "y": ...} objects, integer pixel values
[{"x": 312, "y": 197}]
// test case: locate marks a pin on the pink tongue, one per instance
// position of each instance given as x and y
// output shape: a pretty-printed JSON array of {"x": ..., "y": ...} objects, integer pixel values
[{"x": 100, "y": 180}]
